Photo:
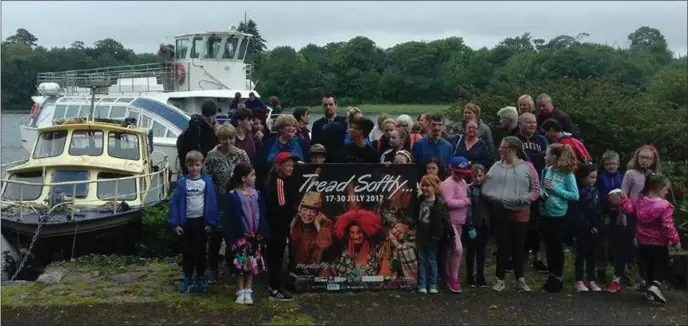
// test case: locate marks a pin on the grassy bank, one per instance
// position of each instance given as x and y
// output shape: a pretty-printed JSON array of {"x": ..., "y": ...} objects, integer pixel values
[{"x": 394, "y": 109}]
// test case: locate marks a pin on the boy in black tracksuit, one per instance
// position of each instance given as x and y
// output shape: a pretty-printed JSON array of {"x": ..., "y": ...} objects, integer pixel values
[
  {"x": 280, "y": 202},
  {"x": 476, "y": 234}
]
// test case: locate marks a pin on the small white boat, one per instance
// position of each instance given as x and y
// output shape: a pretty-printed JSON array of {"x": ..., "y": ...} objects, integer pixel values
[{"x": 160, "y": 96}]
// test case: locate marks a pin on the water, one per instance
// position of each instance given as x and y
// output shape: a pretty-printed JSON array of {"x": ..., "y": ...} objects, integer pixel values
[{"x": 10, "y": 137}]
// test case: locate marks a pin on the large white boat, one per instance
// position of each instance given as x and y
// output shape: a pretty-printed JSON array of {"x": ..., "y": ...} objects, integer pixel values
[{"x": 161, "y": 96}]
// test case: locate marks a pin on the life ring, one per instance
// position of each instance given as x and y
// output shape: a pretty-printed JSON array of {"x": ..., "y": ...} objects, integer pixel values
[
  {"x": 179, "y": 73},
  {"x": 34, "y": 110}
]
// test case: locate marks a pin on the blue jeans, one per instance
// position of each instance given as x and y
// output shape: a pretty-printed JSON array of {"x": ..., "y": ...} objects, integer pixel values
[{"x": 427, "y": 259}]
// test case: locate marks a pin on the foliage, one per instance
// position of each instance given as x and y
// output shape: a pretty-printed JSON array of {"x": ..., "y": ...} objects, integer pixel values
[
  {"x": 257, "y": 45},
  {"x": 158, "y": 240}
]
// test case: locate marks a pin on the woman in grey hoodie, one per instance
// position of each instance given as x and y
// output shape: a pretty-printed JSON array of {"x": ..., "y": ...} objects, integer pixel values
[{"x": 511, "y": 185}]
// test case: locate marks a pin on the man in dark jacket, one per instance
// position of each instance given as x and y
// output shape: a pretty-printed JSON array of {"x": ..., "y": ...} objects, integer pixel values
[
  {"x": 330, "y": 130},
  {"x": 546, "y": 110},
  {"x": 200, "y": 134}
]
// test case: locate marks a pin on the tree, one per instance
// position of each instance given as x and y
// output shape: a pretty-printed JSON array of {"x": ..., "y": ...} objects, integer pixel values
[
  {"x": 258, "y": 44},
  {"x": 648, "y": 39},
  {"x": 22, "y": 36}
]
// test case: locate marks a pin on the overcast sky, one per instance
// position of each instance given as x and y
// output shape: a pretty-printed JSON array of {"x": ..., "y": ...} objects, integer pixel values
[{"x": 143, "y": 25}]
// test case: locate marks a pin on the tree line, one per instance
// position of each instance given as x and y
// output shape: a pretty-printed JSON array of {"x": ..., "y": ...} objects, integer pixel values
[{"x": 618, "y": 97}]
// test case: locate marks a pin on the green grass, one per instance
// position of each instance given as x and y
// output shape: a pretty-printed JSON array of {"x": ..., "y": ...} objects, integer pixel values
[{"x": 393, "y": 109}]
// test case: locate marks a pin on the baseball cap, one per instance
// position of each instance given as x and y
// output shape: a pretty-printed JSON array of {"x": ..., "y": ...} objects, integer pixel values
[
  {"x": 460, "y": 164},
  {"x": 318, "y": 149},
  {"x": 285, "y": 156}
]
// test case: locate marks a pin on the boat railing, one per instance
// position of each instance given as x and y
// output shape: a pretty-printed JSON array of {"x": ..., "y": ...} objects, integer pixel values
[
  {"x": 158, "y": 187},
  {"x": 140, "y": 78}
]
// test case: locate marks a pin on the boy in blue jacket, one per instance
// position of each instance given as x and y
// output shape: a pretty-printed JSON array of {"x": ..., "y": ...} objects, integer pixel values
[
  {"x": 193, "y": 211},
  {"x": 609, "y": 179}
]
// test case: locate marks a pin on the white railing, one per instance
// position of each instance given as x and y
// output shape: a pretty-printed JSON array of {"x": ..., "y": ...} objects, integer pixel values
[{"x": 161, "y": 176}]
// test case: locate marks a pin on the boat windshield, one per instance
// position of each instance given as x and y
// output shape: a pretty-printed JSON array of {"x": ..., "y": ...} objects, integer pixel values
[
  {"x": 15, "y": 191},
  {"x": 120, "y": 190},
  {"x": 78, "y": 190},
  {"x": 86, "y": 142},
  {"x": 50, "y": 144},
  {"x": 124, "y": 145}
]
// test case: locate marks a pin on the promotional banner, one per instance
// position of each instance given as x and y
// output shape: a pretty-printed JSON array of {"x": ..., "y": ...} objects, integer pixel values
[{"x": 353, "y": 229}]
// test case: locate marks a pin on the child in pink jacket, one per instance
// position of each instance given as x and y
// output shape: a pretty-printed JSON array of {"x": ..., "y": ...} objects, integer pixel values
[
  {"x": 655, "y": 231},
  {"x": 455, "y": 194}
]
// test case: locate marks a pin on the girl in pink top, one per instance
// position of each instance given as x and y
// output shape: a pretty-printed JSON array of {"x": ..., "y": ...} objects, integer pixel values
[
  {"x": 645, "y": 160},
  {"x": 455, "y": 194},
  {"x": 655, "y": 231}
]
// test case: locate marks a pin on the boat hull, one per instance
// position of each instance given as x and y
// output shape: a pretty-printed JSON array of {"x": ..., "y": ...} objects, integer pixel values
[{"x": 89, "y": 222}]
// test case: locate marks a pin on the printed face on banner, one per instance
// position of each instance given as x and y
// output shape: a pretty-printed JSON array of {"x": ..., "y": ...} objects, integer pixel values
[{"x": 354, "y": 227}]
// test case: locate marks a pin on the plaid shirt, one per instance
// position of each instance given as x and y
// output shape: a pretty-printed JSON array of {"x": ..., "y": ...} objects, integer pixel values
[{"x": 406, "y": 254}]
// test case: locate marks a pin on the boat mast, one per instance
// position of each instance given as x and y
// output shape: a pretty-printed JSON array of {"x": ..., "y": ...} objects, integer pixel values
[{"x": 98, "y": 83}]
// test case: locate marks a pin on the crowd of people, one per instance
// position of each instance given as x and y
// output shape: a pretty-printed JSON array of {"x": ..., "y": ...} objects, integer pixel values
[{"x": 527, "y": 182}]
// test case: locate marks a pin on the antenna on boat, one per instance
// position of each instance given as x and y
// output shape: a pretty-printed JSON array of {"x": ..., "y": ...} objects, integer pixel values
[{"x": 98, "y": 83}]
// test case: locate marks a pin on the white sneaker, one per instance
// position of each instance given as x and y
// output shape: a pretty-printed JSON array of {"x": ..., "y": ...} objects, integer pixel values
[
  {"x": 499, "y": 285},
  {"x": 593, "y": 287},
  {"x": 248, "y": 298},
  {"x": 241, "y": 297},
  {"x": 656, "y": 293},
  {"x": 580, "y": 287},
  {"x": 423, "y": 290},
  {"x": 522, "y": 285},
  {"x": 433, "y": 290}
]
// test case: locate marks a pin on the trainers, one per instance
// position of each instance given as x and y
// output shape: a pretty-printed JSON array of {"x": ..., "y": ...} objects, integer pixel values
[
  {"x": 480, "y": 281},
  {"x": 553, "y": 284},
  {"x": 471, "y": 281},
  {"x": 593, "y": 286},
  {"x": 539, "y": 266},
  {"x": 656, "y": 293},
  {"x": 213, "y": 277},
  {"x": 614, "y": 286},
  {"x": 248, "y": 298},
  {"x": 522, "y": 286},
  {"x": 279, "y": 295},
  {"x": 422, "y": 290},
  {"x": 185, "y": 285},
  {"x": 454, "y": 286},
  {"x": 499, "y": 285},
  {"x": 580, "y": 287},
  {"x": 240, "y": 297},
  {"x": 201, "y": 284},
  {"x": 433, "y": 289}
]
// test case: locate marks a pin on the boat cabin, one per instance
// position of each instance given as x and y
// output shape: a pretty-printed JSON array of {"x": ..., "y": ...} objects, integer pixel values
[{"x": 90, "y": 164}]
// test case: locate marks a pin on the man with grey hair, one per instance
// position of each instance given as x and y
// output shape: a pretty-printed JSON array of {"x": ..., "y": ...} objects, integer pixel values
[
  {"x": 508, "y": 124},
  {"x": 546, "y": 110}
]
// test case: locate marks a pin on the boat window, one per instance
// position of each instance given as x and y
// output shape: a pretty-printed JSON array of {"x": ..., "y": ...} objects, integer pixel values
[
  {"x": 197, "y": 47},
  {"x": 182, "y": 48},
  {"x": 28, "y": 192},
  {"x": 171, "y": 134},
  {"x": 107, "y": 100},
  {"x": 243, "y": 48},
  {"x": 77, "y": 190},
  {"x": 158, "y": 129},
  {"x": 145, "y": 121},
  {"x": 214, "y": 47},
  {"x": 59, "y": 112},
  {"x": 230, "y": 47},
  {"x": 50, "y": 144},
  {"x": 121, "y": 190},
  {"x": 125, "y": 99},
  {"x": 86, "y": 142},
  {"x": 102, "y": 111},
  {"x": 123, "y": 145},
  {"x": 78, "y": 100},
  {"x": 72, "y": 111},
  {"x": 83, "y": 111},
  {"x": 118, "y": 111}
]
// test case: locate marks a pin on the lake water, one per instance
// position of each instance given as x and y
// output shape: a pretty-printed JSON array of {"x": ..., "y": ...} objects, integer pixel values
[{"x": 11, "y": 143}]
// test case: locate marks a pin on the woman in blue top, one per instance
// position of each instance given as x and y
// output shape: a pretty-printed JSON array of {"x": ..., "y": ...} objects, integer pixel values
[
  {"x": 472, "y": 147},
  {"x": 559, "y": 187}
]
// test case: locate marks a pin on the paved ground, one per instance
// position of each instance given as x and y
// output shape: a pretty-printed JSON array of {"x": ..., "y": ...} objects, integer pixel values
[{"x": 481, "y": 306}]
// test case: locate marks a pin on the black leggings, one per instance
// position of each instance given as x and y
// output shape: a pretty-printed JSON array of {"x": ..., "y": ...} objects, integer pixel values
[
  {"x": 655, "y": 262},
  {"x": 554, "y": 231},
  {"x": 511, "y": 236},
  {"x": 214, "y": 244},
  {"x": 475, "y": 251},
  {"x": 586, "y": 251},
  {"x": 193, "y": 247},
  {"x": 275, "y": 256}
]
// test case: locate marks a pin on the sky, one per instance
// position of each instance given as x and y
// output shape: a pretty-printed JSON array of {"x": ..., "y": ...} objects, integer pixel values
[{"x": 143, "y": 25}]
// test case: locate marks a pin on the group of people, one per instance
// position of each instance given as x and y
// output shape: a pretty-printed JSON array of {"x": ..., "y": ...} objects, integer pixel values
[{"x": 538, "y": 185}]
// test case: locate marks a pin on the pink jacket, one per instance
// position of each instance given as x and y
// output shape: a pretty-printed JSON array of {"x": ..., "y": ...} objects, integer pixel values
[
  {"x": 655, "y": 221},
  {"x": 455, "y": 193}
]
